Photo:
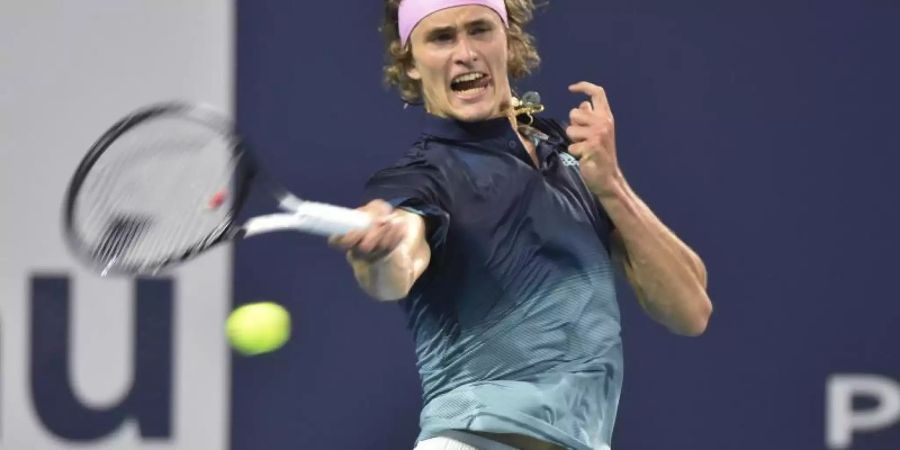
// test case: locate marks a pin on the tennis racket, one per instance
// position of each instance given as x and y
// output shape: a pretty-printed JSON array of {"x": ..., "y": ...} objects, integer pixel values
[{"x": 168, "y": 182}]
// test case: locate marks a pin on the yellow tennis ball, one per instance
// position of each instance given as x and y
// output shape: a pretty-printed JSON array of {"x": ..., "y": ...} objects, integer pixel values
[{"x": 258, "y": 328}]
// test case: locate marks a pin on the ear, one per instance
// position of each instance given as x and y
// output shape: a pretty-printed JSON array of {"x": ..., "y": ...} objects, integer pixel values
[{"x": 413, "y": 73}]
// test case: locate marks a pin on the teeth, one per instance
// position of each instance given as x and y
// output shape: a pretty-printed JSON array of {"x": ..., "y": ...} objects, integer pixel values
[
  {"x": 468, "y": 77},
  {"x": 471, "y": 91}
]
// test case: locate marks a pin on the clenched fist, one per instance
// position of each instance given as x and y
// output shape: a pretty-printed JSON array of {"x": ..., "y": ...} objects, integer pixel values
[{"x": 387, "y": 231}]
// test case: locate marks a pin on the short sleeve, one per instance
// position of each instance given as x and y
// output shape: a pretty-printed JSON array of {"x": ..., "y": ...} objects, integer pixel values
[{"x": 418, "y": 185}]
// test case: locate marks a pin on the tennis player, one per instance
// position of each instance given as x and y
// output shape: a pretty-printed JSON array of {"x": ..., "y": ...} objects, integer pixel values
[{"x": 501, "y": 237}]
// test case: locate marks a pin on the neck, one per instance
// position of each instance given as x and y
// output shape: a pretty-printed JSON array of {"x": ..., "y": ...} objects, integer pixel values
[{"x": 512, "y": 119}]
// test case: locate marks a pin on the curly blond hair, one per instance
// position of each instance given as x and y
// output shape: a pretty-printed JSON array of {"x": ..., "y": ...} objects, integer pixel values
[{"x": 523, "y": 53}]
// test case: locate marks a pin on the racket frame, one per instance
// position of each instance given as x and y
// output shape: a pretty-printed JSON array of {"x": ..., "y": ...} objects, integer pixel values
[
  {"x": 301, "y": 215},
  {"x": 245, "y": 171}
]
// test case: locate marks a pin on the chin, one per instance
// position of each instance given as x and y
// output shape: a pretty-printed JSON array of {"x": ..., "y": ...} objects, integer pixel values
[
  {"x": 474, "y": 113},
  {"x": 471, "y": 116}
]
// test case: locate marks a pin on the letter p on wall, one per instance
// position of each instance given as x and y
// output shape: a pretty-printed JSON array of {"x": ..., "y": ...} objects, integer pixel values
[{"x": 843, "y": 420}]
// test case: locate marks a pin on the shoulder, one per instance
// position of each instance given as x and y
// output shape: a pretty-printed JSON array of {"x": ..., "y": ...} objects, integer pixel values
[
  {"x": 422, "y": 153},
  {"x": 552, "y": 127},
  {"x": 420, "y": 165}
]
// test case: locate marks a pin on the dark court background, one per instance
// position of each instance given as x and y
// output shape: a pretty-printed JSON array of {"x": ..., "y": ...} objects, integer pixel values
[{"x": 763, "y": 133}]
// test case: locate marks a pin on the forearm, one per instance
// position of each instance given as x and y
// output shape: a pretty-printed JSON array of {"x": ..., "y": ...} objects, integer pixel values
[{"x": 669, "y": 278}]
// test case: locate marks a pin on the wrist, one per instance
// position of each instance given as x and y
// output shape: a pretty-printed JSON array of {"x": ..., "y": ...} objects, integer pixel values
[
  {"x": 382, "y": 278},
  {"x": 611, "y": 186},
  {"x": 369, "y": 263}
]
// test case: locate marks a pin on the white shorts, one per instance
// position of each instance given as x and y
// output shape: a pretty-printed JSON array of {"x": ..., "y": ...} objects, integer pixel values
[{"x": 458, "y": 440}]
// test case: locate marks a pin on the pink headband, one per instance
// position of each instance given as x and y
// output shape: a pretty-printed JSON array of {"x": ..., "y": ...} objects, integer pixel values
[{"x": 413, "y": 11}]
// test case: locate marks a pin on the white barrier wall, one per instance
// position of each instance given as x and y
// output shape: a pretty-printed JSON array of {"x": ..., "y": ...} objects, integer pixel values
[{"x": 67, "y": 71}]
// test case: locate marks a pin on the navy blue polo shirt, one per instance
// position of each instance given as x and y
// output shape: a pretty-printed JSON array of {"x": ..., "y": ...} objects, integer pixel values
[{"x": 515, "y": 320}]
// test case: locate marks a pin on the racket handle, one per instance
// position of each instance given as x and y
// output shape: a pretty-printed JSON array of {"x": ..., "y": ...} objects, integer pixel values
[
  {"x": 326, "y": 220},
  {"x": 309, "y": 217}
]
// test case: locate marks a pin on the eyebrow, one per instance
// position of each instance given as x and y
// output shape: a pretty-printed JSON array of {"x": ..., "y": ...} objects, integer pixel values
[
  {"x": 434, "y": 32},
  {"x": 452, "y": 28}
]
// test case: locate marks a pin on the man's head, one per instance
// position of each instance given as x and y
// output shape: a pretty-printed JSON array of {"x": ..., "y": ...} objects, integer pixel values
[{"x": 458, "y": 58}]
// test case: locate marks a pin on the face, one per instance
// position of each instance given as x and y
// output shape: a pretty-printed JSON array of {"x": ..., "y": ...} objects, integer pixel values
[{"x": 460, "y": 57}]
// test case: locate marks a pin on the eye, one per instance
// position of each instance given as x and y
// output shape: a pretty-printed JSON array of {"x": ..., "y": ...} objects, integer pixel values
[
  {"x": 479, "y": 29},
  {"x": 442, "y": 37}
]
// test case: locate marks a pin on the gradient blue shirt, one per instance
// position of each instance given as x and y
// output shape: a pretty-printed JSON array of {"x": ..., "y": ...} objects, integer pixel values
[{"x": 515, "y": 320}]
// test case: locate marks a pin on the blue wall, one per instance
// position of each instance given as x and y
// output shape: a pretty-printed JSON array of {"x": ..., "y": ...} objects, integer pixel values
[{"x": 763, "y": 134}]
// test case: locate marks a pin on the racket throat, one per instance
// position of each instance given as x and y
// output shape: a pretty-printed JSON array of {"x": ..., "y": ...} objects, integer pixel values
[{"x": 267, "y": 224}]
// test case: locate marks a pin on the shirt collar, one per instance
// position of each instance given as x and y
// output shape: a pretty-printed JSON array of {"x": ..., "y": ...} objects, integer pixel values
[{"x": 456, "y": 130}]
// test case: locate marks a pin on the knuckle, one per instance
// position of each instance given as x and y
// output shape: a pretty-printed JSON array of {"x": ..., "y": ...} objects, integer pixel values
[
  {"x": 362, "y": 245},
  {"x": 338, "y": 242},
  {"x": 379, "y": 207}
]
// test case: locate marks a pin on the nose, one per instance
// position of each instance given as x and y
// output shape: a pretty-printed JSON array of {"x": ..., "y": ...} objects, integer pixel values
[{"x": 465, "y": 53}]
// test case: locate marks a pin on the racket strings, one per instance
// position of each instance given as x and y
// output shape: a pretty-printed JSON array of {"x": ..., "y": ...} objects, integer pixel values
[{"x": 148, "y": 198}]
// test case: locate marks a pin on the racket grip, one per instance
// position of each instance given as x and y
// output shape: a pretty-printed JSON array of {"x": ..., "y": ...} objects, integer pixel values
[{"x": 326, "y": 220}]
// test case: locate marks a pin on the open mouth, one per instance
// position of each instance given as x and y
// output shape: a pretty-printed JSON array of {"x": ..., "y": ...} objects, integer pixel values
[{"x": 470, "y": 83}]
